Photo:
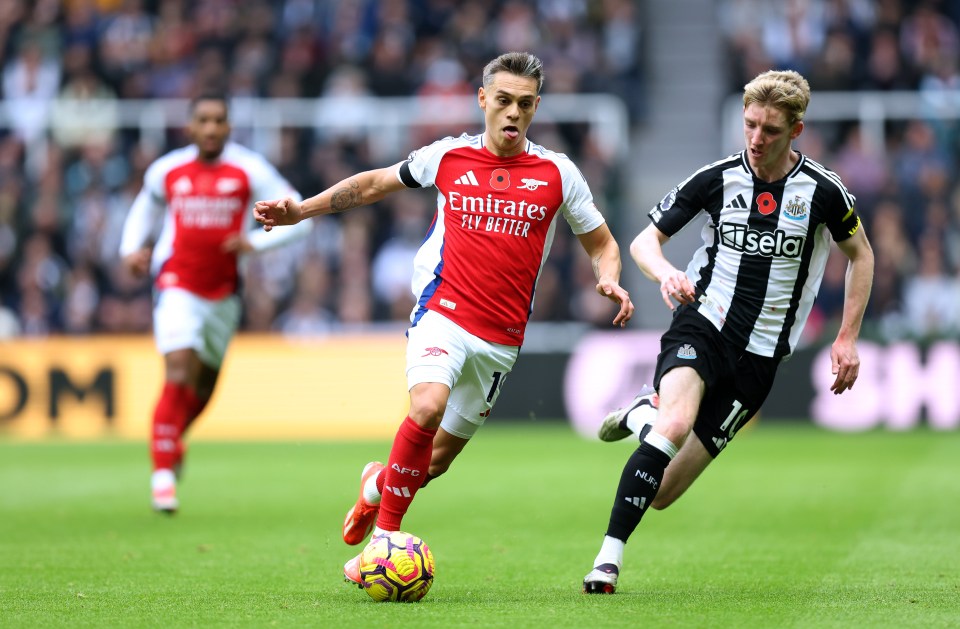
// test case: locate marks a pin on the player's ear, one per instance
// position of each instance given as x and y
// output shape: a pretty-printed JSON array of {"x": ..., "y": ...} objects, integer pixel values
[
  {"x": 482, "y": 98},
  {"x": 797, "y": 130}
]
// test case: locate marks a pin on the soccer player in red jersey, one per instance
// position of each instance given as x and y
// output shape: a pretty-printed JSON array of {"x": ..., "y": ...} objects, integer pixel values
[
  {"x": 202, "y": 192},
  {"x": 499, "y": 196}
]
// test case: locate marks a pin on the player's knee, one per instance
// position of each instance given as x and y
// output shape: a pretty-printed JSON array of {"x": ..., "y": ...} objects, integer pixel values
[
  {"x": 427, "y": 404},
  {"x": 676, "y": 431},
  {"x": 179, "y": 367},
  {"x": 428, "y": 413}
]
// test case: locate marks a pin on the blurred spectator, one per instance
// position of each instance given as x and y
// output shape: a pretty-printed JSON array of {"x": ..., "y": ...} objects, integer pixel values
[
  {"x": 308, "y": 313},
  {"x": 394, "y": 259},
  {"x": 835, "y": 67},
  {"x": 927, "y": 36},
  {"x": 951, "y": 236},
  {"x": 830, "y": 297},
  {"x": 885, "y": 67},
  {"x": 930, "y": 296},
  {"x": 9, "y": 324},
  {"x": 895, "y": 259},
  {"x": 921, "y": 169},
  {"x": 862, "y": 166},
  {"x": 125, "y": 41},
  {"x": 345, "y": 112},
  {"x": 85, "y": 111},
  {"x": 30, "y": 83},
  {"x": 81, "y": 300},
  {"x": 794, "y": 34}
]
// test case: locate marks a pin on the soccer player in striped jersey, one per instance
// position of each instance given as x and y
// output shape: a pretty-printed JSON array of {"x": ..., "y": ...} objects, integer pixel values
[
  {"x": 499, "y": 197},
  {"x": 741, "y": 304},
  {"x": 202, "y": 193}
]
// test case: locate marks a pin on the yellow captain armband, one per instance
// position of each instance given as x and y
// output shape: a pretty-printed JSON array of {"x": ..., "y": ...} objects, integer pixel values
[{"x": 854, "y": 229}]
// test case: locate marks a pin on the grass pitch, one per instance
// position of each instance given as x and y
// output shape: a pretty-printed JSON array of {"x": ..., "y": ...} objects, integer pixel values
[{"x": 791, "y": 527}]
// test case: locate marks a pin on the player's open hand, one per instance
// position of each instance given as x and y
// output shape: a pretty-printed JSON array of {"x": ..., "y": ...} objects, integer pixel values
[
  {"x": 677, "y": 286},
  {"x": 277, "y": 212},
  {"x": 615, "y": 292},
  {"x": 846, "y": 365}
]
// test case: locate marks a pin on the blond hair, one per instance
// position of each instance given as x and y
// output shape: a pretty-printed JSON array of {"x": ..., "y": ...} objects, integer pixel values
[{"x": 786, "y": 90}]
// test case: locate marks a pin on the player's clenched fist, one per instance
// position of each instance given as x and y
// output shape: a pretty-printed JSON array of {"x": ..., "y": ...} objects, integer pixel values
[{"x": 277, "y": 212}]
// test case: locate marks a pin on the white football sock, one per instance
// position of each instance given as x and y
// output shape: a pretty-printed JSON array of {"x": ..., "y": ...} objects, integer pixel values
[
  {"x": 370, "y": 493},
  {"x": 640, "y": 417},
  {"x": 661, "y": 443},
  {"x": 611, "y": 551},
  {"x": 162, "y": 478}
]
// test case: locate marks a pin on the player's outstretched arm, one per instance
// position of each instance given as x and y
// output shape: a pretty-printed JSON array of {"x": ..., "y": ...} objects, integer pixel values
[
  {"x": 647, "y": 251},
  {"x": 604, "y": 254},
  {"x": 859, "y": 281},
  {"x": 361, "y": 189}
]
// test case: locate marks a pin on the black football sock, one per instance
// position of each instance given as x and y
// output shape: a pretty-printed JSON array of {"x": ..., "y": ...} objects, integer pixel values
[{"x": 639, "y": 483}]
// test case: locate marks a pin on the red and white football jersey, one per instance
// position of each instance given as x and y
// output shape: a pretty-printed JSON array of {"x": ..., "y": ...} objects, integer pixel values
[
  {"x": 205, "y": 204},
  {"x": 488, "y": 242}
]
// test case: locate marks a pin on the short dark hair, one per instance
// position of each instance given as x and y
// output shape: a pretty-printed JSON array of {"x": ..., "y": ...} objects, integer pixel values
[
  {"x": 516, "y": 63},
  {"x": 210, "y": 95}
]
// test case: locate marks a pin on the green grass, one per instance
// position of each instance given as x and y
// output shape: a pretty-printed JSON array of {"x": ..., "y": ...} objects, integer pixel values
[{"x": 791, "y": 527}]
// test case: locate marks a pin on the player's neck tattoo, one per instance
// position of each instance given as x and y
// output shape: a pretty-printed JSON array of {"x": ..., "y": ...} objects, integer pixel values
[{"x": 347, "y": 197}]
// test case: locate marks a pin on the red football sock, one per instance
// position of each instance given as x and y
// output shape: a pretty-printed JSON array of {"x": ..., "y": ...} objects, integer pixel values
[
  {"x": 177, "y": 403},
  {"x": 199, "y": 405},
  {"x": 405, "y": 471}
]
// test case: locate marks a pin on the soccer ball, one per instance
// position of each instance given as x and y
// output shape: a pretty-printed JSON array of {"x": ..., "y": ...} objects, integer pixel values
[{"x": 397, "y": 567}]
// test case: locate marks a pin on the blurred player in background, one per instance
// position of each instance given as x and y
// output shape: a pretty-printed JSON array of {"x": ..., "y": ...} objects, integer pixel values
[
  {"x": 743, "y": 302},
  {"x": 474, "y": 277},
  {"x": 204, "y": 192}
]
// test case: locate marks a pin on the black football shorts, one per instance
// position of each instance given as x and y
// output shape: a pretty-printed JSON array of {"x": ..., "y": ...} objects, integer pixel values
[{"x": 737, "y": 382}]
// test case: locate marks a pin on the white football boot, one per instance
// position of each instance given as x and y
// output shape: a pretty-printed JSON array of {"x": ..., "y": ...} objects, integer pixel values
[{"x": 631, "y": 419}]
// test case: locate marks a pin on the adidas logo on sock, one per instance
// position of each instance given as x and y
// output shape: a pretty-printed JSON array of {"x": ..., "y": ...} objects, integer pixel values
[
  {"x": 637, "y": 501},
  {"x": 403, "y": 492},
  {"x": 467, "y": 179}
]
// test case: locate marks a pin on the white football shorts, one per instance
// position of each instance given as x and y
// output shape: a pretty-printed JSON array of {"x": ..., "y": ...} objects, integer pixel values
[
  {"x": 439, "y": 350},
  {"x": 184, "y": 320}
]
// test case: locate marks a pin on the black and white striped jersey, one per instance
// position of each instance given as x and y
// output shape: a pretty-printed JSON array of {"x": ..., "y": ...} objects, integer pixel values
[{"x": 765, "y": 246}]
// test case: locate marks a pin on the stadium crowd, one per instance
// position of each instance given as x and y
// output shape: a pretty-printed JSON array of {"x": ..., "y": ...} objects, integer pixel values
[{"x": 62, "y": 205}]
